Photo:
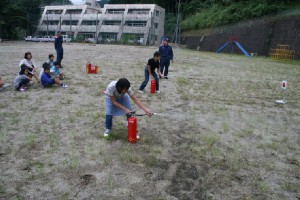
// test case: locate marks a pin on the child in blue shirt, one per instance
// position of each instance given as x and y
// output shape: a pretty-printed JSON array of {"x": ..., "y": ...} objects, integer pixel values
[
  {"x": 54, "y": 71},
  {"x": 50, "y": 62},
  {"x": 47, "y": 80}
]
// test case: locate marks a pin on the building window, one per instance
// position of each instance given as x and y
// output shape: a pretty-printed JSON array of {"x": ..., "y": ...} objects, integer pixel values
[
  {"x": 109, "y": 36},
  {"x": 67, "y": 22},
  {"x": 136, "y": 23},
  {"x": 74, "y": 11},
  {"x": 89, "y": 22},
  {"x": 139, "y": 11},
  {"x": 111, "y": 23},
  {"x": 57, "y": 12},
  {"x": 156, "y": 25},
  {"x": 115, "y": 11},
  {"x": 156, "y": 13},
  {"x": 50, "y": 22}
]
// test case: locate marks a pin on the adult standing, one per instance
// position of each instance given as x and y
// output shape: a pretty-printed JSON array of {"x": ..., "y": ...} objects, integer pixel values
[
  {"x": 166, "y": 55},
  {"x": 59, "y": 48}
]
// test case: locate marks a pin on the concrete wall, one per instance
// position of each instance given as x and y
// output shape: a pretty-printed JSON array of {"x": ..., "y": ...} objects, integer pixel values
[{"x": 256, "y": 36}]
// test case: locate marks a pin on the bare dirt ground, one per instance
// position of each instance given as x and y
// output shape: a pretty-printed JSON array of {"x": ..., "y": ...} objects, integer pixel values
[{"x": 221, "y": 135}]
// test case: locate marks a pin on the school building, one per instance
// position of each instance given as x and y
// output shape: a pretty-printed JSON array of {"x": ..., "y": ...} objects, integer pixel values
[{"x": 136, "y": 23}]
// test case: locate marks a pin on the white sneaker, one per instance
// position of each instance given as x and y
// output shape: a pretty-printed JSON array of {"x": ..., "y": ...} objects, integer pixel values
[
  {"x": 141, "y": 91},
  {"x": 64, "y": 86},
  {"x": 106, "y": 133},
  {"x": 138, "y": 137},
  {"x": 157, "y": 91}
]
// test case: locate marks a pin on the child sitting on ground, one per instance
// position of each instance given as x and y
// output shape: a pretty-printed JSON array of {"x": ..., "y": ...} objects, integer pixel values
[
  {"x": 118, "y": 102},
  {"x": 48, "y": 80},
  {"x": 50, "y": 62},
  {"x": 24, "y": 77},
  {"x": 54, "y": 71}
]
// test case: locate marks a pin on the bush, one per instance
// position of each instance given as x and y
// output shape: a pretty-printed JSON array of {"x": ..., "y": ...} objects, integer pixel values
[{"x": 236, "y": 11}]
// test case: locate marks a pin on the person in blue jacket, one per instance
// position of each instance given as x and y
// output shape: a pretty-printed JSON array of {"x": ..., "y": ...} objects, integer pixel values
[
  {"x": 59, "y": 48},
  {"x": 47, "y": 80},
  {"x": 166, "y": 55}
]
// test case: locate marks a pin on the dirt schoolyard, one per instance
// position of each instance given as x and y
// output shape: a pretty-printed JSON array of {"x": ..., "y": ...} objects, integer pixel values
[{"x": 220, "y": 134}]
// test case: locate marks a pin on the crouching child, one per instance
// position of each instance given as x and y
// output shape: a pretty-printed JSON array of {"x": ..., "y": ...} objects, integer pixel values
[
  {"x": 118, "y": 102},
  {"x": 23, "y": 79}
]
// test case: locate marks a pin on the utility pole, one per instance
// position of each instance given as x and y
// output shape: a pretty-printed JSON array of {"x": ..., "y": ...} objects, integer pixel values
[
  {"x": 177, "y": 29},
  {"x": 47, "y": 24},
  {"x": 96, "y": 34}
]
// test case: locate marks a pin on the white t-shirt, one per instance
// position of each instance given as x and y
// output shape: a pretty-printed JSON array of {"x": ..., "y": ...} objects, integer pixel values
[
  {"x": 111, "y": 90},
  {"x": 28, "y": 63}
]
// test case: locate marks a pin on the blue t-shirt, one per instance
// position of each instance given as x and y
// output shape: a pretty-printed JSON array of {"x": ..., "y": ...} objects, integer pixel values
[
  {"x": 55, "y": 71},
  {"x": 46, "y": 79}
]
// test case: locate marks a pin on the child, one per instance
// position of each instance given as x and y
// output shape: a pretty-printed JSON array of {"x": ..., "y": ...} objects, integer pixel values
[
  {"x": 54, "y": 71},
  {"x": 24, "y": 77},
  {"x": 50, "y": 62},
  {"x": 152, "y": 64},
  {"x": 48, "y": 80},
  {"x": 118, "y": 102},
  {"x": 29, "y": 63}
]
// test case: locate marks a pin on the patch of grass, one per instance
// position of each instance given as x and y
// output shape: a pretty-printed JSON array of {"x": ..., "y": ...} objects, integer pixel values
[
  {"x": 79, "y": 113},
  {"x": 151, "y": 161},
  {"x": 30, "y": 140},
  {"x": 225, "y": 127},
  {"x": 210, "y": 140},
  {"x": 110, "y": 183},
  {"x": 128, "y": 155},
  {"x": 263, "y": 187},
  {"x": 289, "y": 186}
]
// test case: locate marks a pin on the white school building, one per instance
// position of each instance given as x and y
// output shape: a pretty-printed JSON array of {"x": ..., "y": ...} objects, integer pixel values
[{"x": 136, "y": 23}]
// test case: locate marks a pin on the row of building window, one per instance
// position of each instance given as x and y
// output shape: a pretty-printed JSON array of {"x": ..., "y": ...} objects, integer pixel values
[
  {"x": 108, "y": 11},
  {"x": 93, "y": 23}
]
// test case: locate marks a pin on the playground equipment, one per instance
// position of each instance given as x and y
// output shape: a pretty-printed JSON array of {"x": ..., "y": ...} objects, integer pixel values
[
  {"x": 282, "y": 52},
  {"x": 233, "y": 42},
  {"x": 284, "y": 89}
]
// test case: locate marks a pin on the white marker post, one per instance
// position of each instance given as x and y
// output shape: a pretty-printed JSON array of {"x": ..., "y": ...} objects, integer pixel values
[{"x": 284, "y": 88}]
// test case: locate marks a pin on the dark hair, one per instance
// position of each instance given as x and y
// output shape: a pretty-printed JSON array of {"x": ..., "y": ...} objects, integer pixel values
[
  {"x": 51, "y": 55},
  {"x": 23, "y": 68},
  {"x": 46, "y": 66},
  {"x": 56, "y": 63},
  {"x": 26, "y": 54},
  {"x": 122, "y": 83},
  {"x": 156, "y": 54}
]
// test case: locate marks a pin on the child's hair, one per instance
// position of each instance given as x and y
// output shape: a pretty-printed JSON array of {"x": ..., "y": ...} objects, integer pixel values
[
  {"x": 122, "y": 83},
  {"x": 46, "y": 65},
  {"x": 156, "y": 54},
  {"x": 26, "y": 55},
  {"x": 56, "y": 63},
  {"x": 23, "y": 68},
  {"x": 51, "y": 55}
]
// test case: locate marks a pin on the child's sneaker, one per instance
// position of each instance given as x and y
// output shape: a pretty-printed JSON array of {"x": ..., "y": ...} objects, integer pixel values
[
  {"x": 63, "y": 86},
  {"x": 141, "y": 91},
  {"x": 138, "y": 137},
  {"x": 157, "y": 91},
  {"x": 106, "y": 133}
]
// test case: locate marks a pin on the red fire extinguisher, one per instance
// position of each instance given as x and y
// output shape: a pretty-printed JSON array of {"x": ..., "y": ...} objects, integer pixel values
[
  {"x": 152, "y": 86},
  {"x": 132, "y": 129}
]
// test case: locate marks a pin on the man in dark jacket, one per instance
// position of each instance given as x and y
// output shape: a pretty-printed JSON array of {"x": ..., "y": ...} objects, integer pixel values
[
  {"x": 166, "y": 55},
  {"x": 58, "y": 48}
]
